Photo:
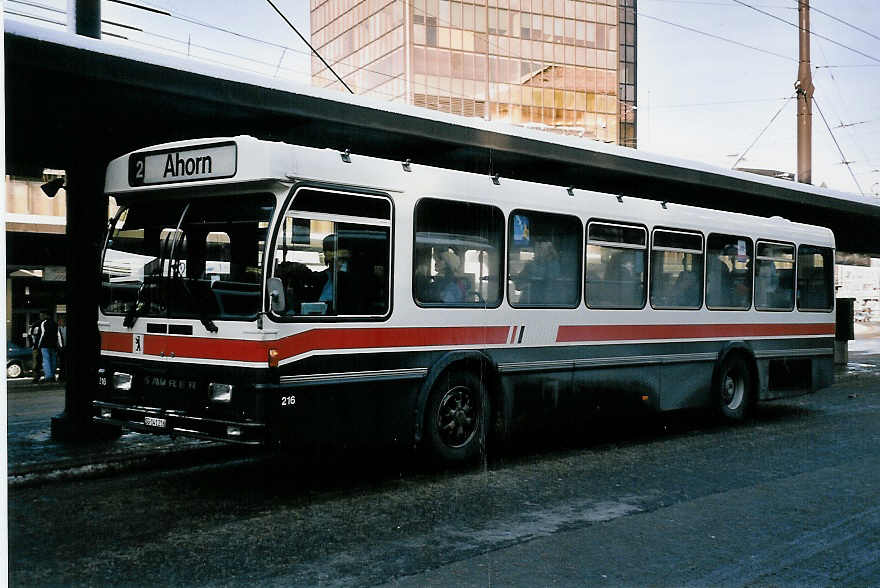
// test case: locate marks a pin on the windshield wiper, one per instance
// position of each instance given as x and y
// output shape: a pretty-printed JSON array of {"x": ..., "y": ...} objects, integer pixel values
[
  {"x": 131, "y": 315},
  {"x": 200, "y": 308},
  {"x": 174, "y": 272}
]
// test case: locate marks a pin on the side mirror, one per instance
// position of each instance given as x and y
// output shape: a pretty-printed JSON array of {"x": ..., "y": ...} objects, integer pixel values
[{"x": 276, "y": 295}]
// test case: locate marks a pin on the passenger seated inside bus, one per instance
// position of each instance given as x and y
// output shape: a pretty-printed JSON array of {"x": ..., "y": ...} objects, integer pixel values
[
  {"x": 719, "y": 284},
  {"x": 309, "y": 291},
  {"x": 347, "y": 276},
  {"x": 538, "y": 281},
  {"x": 688, "y": 287},
  {"x": 448, "y": 287}
]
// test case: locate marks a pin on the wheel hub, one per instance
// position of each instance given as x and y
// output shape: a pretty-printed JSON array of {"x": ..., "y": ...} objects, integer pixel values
[
  {"x": 732, "y": 391},
  {"x": 456, "y": 417}
]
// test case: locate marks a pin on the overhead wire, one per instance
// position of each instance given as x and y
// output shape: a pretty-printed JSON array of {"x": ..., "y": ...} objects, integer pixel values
[
  {"x": 720, "y": 103},
  {"x": 718, "y": 37},
  {"x": 709, "y": 3},
  {"x": 309, "y": 45},
  {"x": 841, "y": 21},
  {"x": 198, "y": 22},
  {"x": 841, "y": 66},
  {"x": 38, "y": 5},
  {"x": 843, "y": 102},
  {"x": 764, "y": 130},
  {"x": 842, "y": 156},
  {"x": 815, "y": 34},
  {"x": 39, "y": 18},
  {"x": 275, "y": 66}
]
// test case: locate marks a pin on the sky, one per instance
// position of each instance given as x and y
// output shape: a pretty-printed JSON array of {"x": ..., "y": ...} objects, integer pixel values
[{"x": 711, "y": 73}]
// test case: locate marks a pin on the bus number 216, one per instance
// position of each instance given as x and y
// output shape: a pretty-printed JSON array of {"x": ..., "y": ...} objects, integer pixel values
[{"x": 288, "y": 400}]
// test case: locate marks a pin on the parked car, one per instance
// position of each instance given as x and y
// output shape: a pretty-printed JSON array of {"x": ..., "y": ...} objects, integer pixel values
[{"x": 18, "y": 360}]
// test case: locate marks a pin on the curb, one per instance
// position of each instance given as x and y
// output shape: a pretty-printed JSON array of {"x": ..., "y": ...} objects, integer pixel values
[
  {"x": 36, "y": 474},
  {"x": 29, "y": 386}
]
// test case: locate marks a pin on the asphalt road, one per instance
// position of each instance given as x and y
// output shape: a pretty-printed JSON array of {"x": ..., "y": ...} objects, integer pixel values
[{"x": 788, "y": 499}]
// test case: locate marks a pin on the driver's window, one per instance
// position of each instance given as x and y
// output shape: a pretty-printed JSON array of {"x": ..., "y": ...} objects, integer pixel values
[{"x": 333, "y": 255}]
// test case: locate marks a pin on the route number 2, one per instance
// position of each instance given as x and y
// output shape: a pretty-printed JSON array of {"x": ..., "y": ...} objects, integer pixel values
[{"x": 288, "y": 400}]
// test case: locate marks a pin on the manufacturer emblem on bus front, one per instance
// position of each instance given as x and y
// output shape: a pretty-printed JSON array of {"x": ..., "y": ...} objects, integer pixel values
[{"x": 170, "y": 383}]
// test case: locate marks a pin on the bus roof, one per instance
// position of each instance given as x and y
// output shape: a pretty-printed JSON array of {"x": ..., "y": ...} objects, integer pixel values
[{"x": 222, "y": 161}]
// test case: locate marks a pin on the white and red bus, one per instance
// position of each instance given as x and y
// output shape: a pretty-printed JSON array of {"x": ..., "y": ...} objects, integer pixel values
[{"x": 262, "y": 293}]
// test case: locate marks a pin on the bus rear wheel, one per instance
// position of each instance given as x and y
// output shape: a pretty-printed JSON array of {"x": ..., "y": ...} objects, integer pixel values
[
  {"x": 735, "y": 389},
  {"x": 456, "y": 420}
]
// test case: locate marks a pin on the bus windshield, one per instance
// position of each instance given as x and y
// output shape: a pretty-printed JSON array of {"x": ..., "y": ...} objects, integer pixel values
[{"x": 187, "y": 258}]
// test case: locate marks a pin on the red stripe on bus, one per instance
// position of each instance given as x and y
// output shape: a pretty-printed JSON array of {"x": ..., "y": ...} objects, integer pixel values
[
  {"x": 390, "y": 337},
  {"x": 116, "y": 342},
  {"x": 574, "y": 333},
  {"x": 205, "y": 348},
  {"x": 317, "y": 339}
]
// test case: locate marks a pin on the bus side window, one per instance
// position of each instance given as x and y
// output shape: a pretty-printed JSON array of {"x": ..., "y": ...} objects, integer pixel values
[
  {"x": 774, "y": 276},
  {"x": 676, "y": 269},
  {"x": 815, "y": 278},
  {"x": 728, "y": 272},
  {"x": 457, "y": 253},
  {"x": 617, "y": 255},
  {"x": 543, "y": 260}
]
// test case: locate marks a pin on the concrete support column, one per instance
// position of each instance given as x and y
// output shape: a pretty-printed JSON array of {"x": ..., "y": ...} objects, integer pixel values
[
  {"x": 841, "y": 352},
  {"x": 86, "y": 224}
]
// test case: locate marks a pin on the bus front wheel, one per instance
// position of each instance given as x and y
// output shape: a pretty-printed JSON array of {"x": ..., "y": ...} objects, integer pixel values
[
  {"x": 735, "y": 388},
  {"x": 456, "y": 419}
]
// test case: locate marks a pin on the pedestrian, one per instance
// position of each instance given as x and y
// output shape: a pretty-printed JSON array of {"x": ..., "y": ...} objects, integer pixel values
[
  {"x": 50, "y": 343},
  {"x": 62, "y": 351},
  {"x": 36, "y": 356}
]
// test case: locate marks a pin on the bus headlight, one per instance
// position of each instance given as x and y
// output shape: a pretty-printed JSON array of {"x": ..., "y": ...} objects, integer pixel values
[
  {"x": 221, "y": 393},
  {"x": 121, "y": 381}
]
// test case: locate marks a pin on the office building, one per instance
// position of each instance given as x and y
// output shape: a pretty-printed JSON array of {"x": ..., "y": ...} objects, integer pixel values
[{"x": 566, "y": 66}]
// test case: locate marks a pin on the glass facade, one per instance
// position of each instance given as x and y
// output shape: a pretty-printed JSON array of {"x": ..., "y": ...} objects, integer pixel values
[{"x": 566, "y": 66}]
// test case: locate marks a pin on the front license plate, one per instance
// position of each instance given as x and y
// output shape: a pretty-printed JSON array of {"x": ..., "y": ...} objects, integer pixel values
[{"x": 154, "y": 422}]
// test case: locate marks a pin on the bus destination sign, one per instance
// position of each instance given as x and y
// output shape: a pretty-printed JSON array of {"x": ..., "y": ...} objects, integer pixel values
[{"x": 168, "y": 166}]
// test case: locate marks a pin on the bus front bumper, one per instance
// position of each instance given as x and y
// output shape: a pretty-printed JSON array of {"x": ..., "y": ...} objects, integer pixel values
[{"x": 176, "y": 423}]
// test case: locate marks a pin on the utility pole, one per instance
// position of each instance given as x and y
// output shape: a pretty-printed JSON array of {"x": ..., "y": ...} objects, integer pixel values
[{"x": 804, "y": 89}]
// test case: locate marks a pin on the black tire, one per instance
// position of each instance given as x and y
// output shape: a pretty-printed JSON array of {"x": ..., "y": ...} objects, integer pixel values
[
  {"x": 735, "y": 389},
  {"x": 14, "y": 369},
  {"x": 456, "y": 418}
]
